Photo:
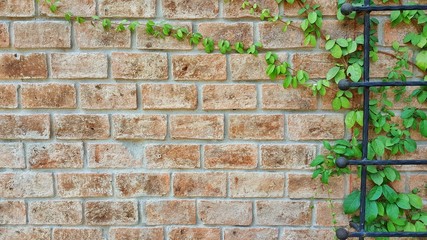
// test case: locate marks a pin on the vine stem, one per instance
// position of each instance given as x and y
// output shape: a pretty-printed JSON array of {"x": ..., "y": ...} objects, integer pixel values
[{"x": 410, "y": 62}]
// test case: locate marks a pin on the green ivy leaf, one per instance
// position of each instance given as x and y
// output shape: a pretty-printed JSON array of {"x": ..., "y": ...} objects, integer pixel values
[
  {"x": 423, "y": 128},
  {"x": 392, "y": 211},
  {"x": 355, "y": 72},
  {"x": 336, "y": 51},
  {"x": 403, "y": 202},
  {"x": 375, "y": 193},
  {"x": 390, "y": 174},
  {"x": 350, "y": 119},
  {"x": 415, "y": 201},
  {"x": 421, "y": 60},
  {"x": 371, "y": 211},
  {"x": 317, "y": 161},
  {"x": 332, "y": 73},
  {"x": 377, "y": 178},
  {"x": 352, "y": 202},
  {"x": 389, "y": 194},
  {"x": 329, "y": 44},
  {"x": 312, "y": 17}
]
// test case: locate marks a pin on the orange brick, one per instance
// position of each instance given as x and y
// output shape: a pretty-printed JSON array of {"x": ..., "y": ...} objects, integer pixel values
[
  {"x": 272, "y": 36},
  {"x": 75, "y": 185},
  {"x": 142, "y": 184},
  {"x": 225, "y": 212},
  {"x": 314, "y": 188},
  {"x": 325, "y": 210},
  {"x": 251, "y": 233},
  {"x": 42, "y": 35},
  {"x": 419, "y": 181},
  {"x": 24, "y": 233},
  {"x": 341, "y": 29},
  {"x": 200, "y": 184},
  {"x": 79, "y": 66},
  {"x": 108, "y": 96},
  {"x": 113, "y": 155},
  {"x": 55, "y": 155},
  {"x": 24, "y": 8},
  {"x": 169, "y": 96},
  {"x": 24, "y": 185},
  {"x": 396, "y": 33},
  {"x": 233, "y": 32},
  {"x": 317, "y": 67},
  {"x": 82, "y": 8},
  {"x": 4, "y": 35},
  {"x": 240, "y": 63},
  {"x": 8, "y": 96},
  {"x": 148, "y": 41},
  {"x": 16, "y": 66},
  {"x": 233, "y": 9},
  {"x": 199, "y": 67},
  {"x": 293, "y": 234},
  {"x": 239, "y": 156},
  {"x": 50, "y": 95},
  {"x": 125, "y": 8},
  {"x": 193, "y": 9},
  {"x": 12, "y": 155},
  {"x": 139, "y": 126},
  {"x": 73, "y": 126},
  {"x": 229, "y": 97},
  {"x": 55, "y": 212},
  {"x": 181, "y": 212},
  {"x": 292, "y": 156},
  {"x": 12, "y": 212},
  {"x": 90, "y": 36},
  {"x": 139, "y": 66},
  {"x": 259, "y": 127},
  {"x": 25, "y": 126},
  {"x": 181, "y": 233},
  {"x": 327, "y": 7},
  {"x": 315, "y": 126},
  {"x": 172, "y": 156},
  {"x": 275, "y": 97},
  {"x": 111, "y": 212},
  {"x": 155, "y": 233},
  {"x": 244, "y": 185},
  {"x": 77, "y": 233},
  {"x": 197, "y": 127},
  {"x": 276, "y": 213}
]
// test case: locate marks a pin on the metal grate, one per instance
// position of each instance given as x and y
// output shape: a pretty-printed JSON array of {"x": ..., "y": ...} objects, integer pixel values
[{"x": 361, "y": 232}]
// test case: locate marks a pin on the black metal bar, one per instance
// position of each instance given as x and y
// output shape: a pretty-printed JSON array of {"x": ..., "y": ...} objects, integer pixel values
[
  {"x": 346, "y": 84},
  {"x": 342, "y": 162},
  {"x": 388, "y": 234},
  {"x": 389, "y": 8}
]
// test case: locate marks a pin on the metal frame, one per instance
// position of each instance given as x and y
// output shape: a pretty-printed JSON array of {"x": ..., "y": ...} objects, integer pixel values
[{"x": 345, "y": 85}]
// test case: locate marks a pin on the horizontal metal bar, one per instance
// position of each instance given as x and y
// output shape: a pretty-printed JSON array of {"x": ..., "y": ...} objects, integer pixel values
[
  {"x": 387, "y": 162},
  {"x": 346, "y": 84},
  {"x": 389, "y": 8},
  {"x": 388, "y": 234}
]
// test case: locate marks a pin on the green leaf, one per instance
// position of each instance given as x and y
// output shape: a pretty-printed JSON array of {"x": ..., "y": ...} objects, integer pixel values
[
  {"x": 423, "y": 128},
  {"x": 390, "y": 174},
  {"x": 410, "y": 145},
  {"x": 342, "y": 42},
  {"x": 312, "y": 17},
  {"x": 391, "y": 227},
  {"x": 332, "y": 73},
  {"x": 389, "y": 194},
  {"x": 355, "y": 72},
  {"x": 392, "y": 211},
  {"x": 352, "y": 202},
  {"x": 350, "y": 119},
  {"x": 378, "y": 147},
  {"x": 329, "y": 44},
  {"x": 421, "y": 60},
  {"x": 359, "y": 118},
  {"x": 420, "y": 227},
  {"x": 317, "y": 161},
  {"x": 375, "y": 193},
  {"x": 336, "y": 51},
  {"x": 345, "y": 103},
  {"x": 403, "y": 202},
  {"x": 371, "y": 211},
  {"x": 415, "y": 201},
  {"x": 409, "y": 227},
  {"x": 377, "y": 178},
  {"x": 304, "y": 25}
]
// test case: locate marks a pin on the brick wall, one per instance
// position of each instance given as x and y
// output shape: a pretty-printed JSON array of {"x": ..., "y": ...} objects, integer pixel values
[{"x": 122, "y": 136}]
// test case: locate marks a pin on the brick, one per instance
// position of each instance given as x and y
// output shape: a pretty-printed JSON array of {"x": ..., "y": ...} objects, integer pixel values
[
  {"x": 276, "y": 213},
  {"x": 90, "y": 36},
  {"x": 419, "y": 154},
  {"x": 114, "y": 155},
  {"x": 315, "y": 126},
  {"x": 197, "y": 127},
  {"x": 199, "y": 67},
  {"x": 326, "y": 102},
  {"x": 186, "y": 233},
  {"x": 396, "y": 33},
  {"x": 341, "y": 29},
  {"x": 139, "y": 127},
  {"x": 148, "y": 41},
  {"x": 238, "y": 156},
  {"x": 76, "y": 233},
  {"x": 313, "y": 188},
  {"x": 11, "y": 8},
  {"x": 50, "y": 95},
  {"x": 419, "y": 181},
  {"x": 55, "y": 155},
  {"x": 55, "y": 212},
  {"x": 24, "y": 233},
  {"x": 192, "y": 9},
  {"x": 272, "y": 36},
  {"x": 233, "y": 32},
  {"x": 251, "y": 234},
  {"x": 139, "y": 66},
  {"x": 296, "y": 234},
  {"x": 169, "y": 96},
  {"x": 317, "y": 67},
  {"x": 73, "y": 126},
  {"x": 275, "y": 97},
  {"x": 154, "y": 233},
  {"x": 259, "y": 127},
  {"x": 25, "y": 126},
  {"x": 168, "y": 212},
  {"x": 229, "y": 97},
  {"x": 292, "y": 156},
  {"x": 128, "y": 9},
  {"x": 328, "y": 8},
  {"x": 42, "y": 34},
  {"x": 240, "y": 63},
  {"x": 233, "y": 9},
  {"x": 79, "y": 66},
  {"x": 12, "y": 212},
  {"x": 245, "y": 185},
  {"x": 142, "y": 184},
  {"x": 381, "y": 68},
  {"x": 200, "y": 184},
  {"x": 108, "y": 96},
  {"x": 8, "y": 96},
  {"x": 17, "y": 66},
  {"x": 75, "y": 185},
  {"x": 12, "y": 155},
  {"x": 4, "y": 35},
  {"x": 111, "y": 212},
  {"x": 82, "y": 8},
  {"x": 24, "y": 185},
  {"x": 324, "y": 212},
  {"x": 172, "y": 156},
  {"x": 225, "y": 212}
]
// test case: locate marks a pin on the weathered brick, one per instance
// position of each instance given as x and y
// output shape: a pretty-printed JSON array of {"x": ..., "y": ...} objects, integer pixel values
[
  {"x": 341, "y": 29},
  {"x": 327, "y": 7},
  {"x": 139, "y": 66},
  {"x": 77, "y": 233},
  {"x": 419, "y": 181},
  {"x": 12, "y": 155},
  {"x": 233, "y": 9},
  {"x": 148, "y": 41},
  {"x": 225, "y": 212},
  {"x": 233, "y": 32},
  {"x": 272, "y": 36},
  {"x": 90, "y": 36},
  {"x": 181, "y": 212},
  {"x": 172, "y": 156},
  {"x": 55, "y": 155},
  {"x": 200, "y": 184},
  {"x": 111, "y": 213},
  {"x": 381, "y": 68},
  {"x": 313, "y": 188},
  {"x": 169, "y": 96},
  {"x": 199, "y": 67},
  {"x": 240, "y": 63},
  {"x": 259, "y": 127},
  {"x": 50, "y": 95},
  {"x": 12, "y": 212},
  {"x": 74, "y": 126},
  {"x": 24, "y": 185},
  {"x": 75, "y": 185},
  {"x": 186, "y": 233},
  {"x": 251, "y": 234},
  {"x": 155, "y": 233},
  {"x": 192, "y": 9},
  {"x": 275, "y": 97},
  {"x": 396, "y": 33},
  {"x": 42, "y": 34},
  {"x": 114, "y": 155},
  {"x": 108, "y": 96},
  {"x": 315, "y": 126},
  {"x": 22, "y": 8},
  {"x": 26, "y": 233},
  {"x": 25, "y": 126},
  {"x": 244, "y": 185},
  {"x": 55, "y": 212},
  {"x": 126, "y": 8},
  {"x": 17, "y": 66},
  {"x": 317, "y": 67},
  {"x": 239, "y": 156},
  {"x": 79, "y": 66},
  {"x": 292, "y": 156},
  {"x": 4, "y": 35},
  {"x": 82, "y": 8},
  {"x": 297, "y": 234},
  {"x": 276, "y": 213},
  {"x": 327, "y": 212},
  {"x": 197, "y": 127},
  {"x": 142, "y": 184},
  {"x": 8, "y": 96},
  {"x": 229, "y": 97},
  {"x": 139, "y": 126}
]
